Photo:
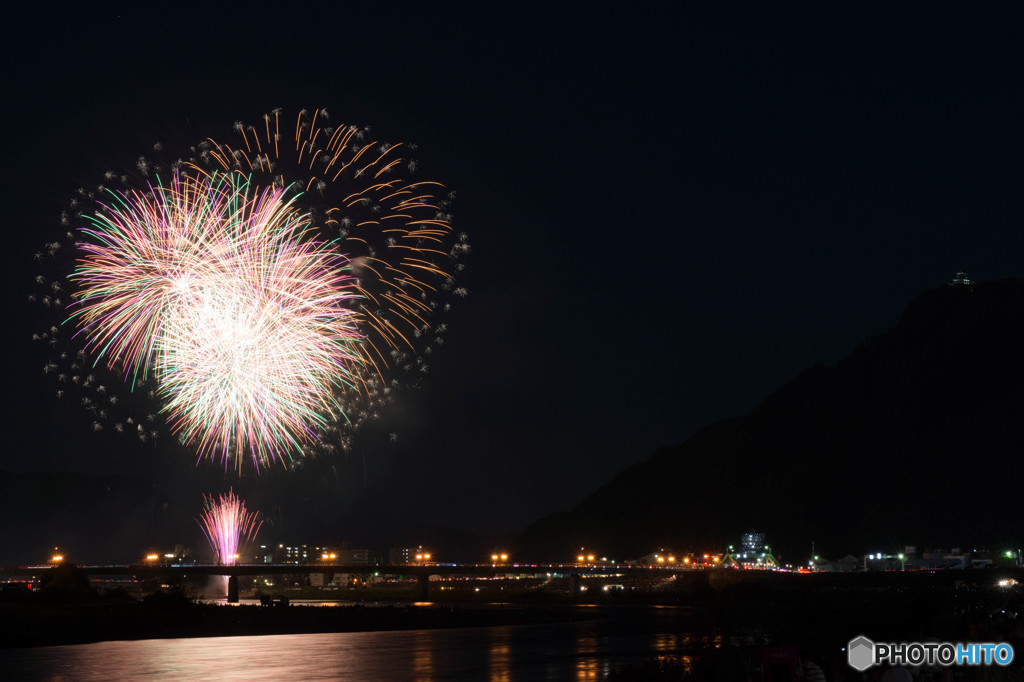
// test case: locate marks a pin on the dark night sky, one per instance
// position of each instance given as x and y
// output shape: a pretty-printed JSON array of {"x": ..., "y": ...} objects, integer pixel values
[{"x": 671, "y": 214}]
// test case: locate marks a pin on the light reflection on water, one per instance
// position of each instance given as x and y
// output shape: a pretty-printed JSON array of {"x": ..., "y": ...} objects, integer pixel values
[
  {"x": 668, "y": 645},
  {"x": 587, "y": 664},
  {"x": 575, "y": 651},
  {"x": 499, "y": 658}
]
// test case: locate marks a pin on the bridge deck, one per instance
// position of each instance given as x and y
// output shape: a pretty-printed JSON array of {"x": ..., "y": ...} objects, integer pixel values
[{"x": 476, "y": 570}]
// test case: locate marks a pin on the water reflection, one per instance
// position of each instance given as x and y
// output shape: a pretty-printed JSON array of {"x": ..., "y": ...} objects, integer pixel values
[
  {"x": 499, "y": 655},
  {"x": 588, "y": 650},
  {"x": 586, "y": 666},
  {"x": 668, "y": 647},
  {"x": 666, "y": 641},
  {"x": 423, "y": 656}
]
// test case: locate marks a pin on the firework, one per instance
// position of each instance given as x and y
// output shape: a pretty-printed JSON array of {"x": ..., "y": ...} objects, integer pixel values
[
  {"x": 268, "y": 294},
  {"x": 245, "y": 325},
  {"x": 225, "y": 522}
]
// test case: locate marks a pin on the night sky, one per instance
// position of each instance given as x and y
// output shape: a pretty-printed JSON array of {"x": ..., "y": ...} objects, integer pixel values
[{"x": 671, "y": 215}]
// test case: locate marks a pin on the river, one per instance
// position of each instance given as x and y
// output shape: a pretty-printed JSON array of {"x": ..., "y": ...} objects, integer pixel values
[{"x": 586, "y": 650}]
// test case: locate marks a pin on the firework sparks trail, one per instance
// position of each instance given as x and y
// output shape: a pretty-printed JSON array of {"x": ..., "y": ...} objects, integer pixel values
[
  {"x": 225, "y": 522},
  {"x": 268, "y": 294}
]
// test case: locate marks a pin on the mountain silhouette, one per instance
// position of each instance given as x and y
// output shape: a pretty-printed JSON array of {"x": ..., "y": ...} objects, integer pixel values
[{"x": 915, "y": 438}]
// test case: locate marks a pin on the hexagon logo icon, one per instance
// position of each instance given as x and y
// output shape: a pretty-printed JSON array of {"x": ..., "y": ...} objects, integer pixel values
[{"x": 860, "y": 653}]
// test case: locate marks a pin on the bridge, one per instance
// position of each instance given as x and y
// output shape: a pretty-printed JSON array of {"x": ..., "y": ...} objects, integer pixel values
[
  {"x": 422, "y": 572},
  {"x": 715, "y": 578}
]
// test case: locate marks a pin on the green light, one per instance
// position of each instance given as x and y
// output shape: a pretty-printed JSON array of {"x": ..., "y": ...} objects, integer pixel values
[{"x": 1009, "y": 554}]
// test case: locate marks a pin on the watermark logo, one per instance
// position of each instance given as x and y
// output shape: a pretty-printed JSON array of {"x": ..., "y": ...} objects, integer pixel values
[{"x": 862, "y": 653}]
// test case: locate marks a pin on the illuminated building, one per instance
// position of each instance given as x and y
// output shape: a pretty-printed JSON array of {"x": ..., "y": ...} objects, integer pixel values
[
  {"x": 753, "y": 541},
  {"x": 292, "y": 554},
  {"x": 754, "y": 553},
  {"x": 409, "y": 555}
]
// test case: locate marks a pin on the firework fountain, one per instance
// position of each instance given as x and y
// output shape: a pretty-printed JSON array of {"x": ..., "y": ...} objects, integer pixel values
[{"x": 225, "y": 522}]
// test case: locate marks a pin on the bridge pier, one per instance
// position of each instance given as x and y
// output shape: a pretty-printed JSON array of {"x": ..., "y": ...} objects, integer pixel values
[
  {"x": 575, "y": 585},
  {"x": 232, "y": 589},
  {"x": 423, "y": 587}
]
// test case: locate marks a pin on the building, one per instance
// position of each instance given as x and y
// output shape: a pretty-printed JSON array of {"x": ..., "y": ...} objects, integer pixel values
[
  {"x": 753, "y": 542},
  {"x": 357, "y": 557},
  {"x": 291, "y": 554},
  {"x": 754, "y": 552},
  {"x": 662, "y": 557},
  {"x": 409, "y": 555}
]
